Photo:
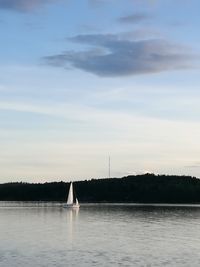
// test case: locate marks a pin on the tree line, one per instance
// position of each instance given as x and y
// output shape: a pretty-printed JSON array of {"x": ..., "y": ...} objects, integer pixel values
[{"x": 147, "y": 188}]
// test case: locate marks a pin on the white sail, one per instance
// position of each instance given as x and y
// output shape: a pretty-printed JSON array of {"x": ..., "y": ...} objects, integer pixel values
[
  {"x": 70, "y": 195},
  {"x": 71, "y": 202}
]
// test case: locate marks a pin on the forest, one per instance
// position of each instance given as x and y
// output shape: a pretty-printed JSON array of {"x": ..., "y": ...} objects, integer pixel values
[{"x": 146, "y": 188}]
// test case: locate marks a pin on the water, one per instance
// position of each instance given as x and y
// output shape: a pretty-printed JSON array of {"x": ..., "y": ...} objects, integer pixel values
[{"x": 99, "y": 235}]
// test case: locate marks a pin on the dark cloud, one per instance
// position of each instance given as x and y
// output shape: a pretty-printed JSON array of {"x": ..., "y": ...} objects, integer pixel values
[
  {"x": 22, "y": 5},
  {"x": 29, "y": 5},
  {"x": 109, "y": 55},
  {"x": 135, "y": 18}
]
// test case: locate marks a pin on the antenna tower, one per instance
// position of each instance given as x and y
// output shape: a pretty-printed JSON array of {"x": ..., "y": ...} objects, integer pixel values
[{"x": 109, "y": 167}]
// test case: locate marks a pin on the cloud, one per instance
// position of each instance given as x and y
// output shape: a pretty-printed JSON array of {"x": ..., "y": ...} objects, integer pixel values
[
  {"x": 111, "y": 55},
  {"x": 194, "y": 166},
  {"x": 29, "y": 5},
  {"x": 134, "y": 18},
  {"x": 22, "y": 5}
]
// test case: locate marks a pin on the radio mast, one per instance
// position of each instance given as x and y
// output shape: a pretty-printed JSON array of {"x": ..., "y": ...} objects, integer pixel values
[{"x": 109, "y": 167}]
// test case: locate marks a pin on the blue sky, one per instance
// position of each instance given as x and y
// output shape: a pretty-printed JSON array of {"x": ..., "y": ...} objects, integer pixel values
[{"x": 82, "y": 80}]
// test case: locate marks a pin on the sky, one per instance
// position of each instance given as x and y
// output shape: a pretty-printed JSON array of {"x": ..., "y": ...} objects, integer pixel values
[{"x": 84, "y": 80}]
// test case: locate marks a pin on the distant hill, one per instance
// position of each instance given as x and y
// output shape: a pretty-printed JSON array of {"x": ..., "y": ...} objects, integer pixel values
[{"x": 147, "y": 188}]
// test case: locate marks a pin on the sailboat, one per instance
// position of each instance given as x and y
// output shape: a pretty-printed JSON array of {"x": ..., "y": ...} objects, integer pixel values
[{"x": 71, "y": 202}]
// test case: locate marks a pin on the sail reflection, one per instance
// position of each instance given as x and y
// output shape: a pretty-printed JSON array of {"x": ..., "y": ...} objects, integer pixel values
[{"x": 71, "y": 218}]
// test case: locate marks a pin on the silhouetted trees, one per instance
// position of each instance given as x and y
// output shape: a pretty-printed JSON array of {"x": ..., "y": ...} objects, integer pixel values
[{"x": 147, "y": 188}]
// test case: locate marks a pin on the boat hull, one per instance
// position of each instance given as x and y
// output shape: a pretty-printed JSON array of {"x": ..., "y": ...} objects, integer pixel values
[{"x": 73, "y": 206}]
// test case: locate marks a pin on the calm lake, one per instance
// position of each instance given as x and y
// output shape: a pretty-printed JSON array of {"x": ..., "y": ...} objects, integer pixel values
[{"x": 45, "y": 234}]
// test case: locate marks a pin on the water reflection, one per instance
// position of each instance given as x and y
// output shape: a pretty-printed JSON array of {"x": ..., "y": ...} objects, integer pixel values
[{"x": 71, "y": 219}]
